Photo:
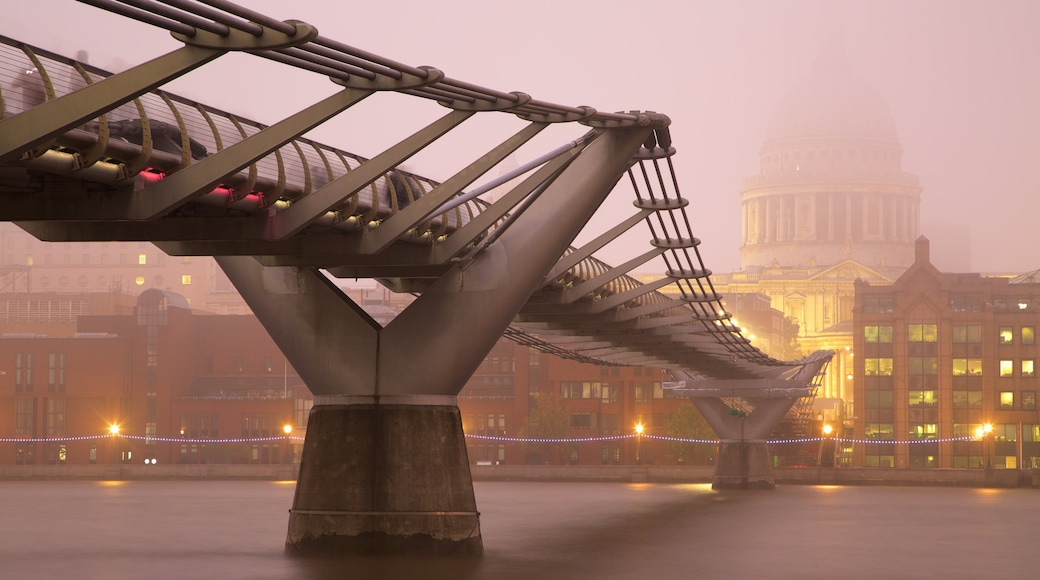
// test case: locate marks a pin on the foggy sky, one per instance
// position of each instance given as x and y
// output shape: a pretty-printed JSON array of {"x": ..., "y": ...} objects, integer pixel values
[{"x": 961, "y": 77}]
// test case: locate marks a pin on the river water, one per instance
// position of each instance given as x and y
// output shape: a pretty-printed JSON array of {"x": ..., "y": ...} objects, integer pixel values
[{"x": 541, "y": 531}]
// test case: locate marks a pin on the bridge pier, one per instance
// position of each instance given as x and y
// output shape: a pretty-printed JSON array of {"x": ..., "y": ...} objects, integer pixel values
[
  {"x": 384, "y": 479},
  {"x": 743, "y": 465},
  {"x": 744, "y": 461}
]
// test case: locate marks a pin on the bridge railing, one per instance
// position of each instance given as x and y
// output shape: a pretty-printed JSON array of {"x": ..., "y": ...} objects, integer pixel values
[{"x": 144, "y": 139}]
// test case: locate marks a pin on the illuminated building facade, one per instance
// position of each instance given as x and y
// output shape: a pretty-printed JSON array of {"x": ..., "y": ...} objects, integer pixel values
[{"x": 939, "y": 357}]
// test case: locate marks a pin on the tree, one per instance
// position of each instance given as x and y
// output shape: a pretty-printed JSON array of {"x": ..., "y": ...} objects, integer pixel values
[
  {"x": 549, "y": 419},
  {"x": 688, "y": 423},
  {"x": 791, "y": 349}
]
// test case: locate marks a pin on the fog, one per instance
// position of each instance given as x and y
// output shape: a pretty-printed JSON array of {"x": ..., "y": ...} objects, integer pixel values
[{"x": 961, "y": 78}]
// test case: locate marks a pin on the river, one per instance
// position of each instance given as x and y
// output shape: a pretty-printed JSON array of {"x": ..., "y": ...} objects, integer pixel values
[{"x": 542, "y": 531}]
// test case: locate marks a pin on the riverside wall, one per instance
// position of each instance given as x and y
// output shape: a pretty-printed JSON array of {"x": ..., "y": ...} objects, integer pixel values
[{"x": 1005, "y": 478}]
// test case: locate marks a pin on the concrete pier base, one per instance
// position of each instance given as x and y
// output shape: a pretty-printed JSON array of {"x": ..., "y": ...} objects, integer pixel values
[
  {"x": 381, "y": 479},
  {"x": 743, "y": 465}
]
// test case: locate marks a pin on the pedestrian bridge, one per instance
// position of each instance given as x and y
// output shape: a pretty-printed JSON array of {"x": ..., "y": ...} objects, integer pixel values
[{"x": 86, "y": 155}]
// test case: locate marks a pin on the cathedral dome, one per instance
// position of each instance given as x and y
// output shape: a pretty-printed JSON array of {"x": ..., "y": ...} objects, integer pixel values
[{"x": 831, "y": 103}]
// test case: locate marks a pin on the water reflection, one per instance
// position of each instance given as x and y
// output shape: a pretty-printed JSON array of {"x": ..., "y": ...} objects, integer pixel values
[{"x": 543, "y": 531}]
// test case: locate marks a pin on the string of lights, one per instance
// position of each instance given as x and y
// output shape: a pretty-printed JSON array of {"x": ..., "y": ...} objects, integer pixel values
[{"x": 496, "y": 438}]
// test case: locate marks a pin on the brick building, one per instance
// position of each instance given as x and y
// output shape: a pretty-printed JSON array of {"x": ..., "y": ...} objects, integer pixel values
[
  {"x": 169, "y": 380},
  {"x": 939, "y": 356}
]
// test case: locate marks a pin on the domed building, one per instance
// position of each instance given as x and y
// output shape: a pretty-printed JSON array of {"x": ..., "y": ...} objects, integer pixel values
[
  {"x": 831, "y": 185},
  {"x": 831, "y": 204}
]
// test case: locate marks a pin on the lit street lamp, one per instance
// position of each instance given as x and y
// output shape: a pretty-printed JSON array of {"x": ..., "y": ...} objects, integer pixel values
[
  {"x": 827, "y": 449},
  {"x": 287, "y": 429},
  {"x": 113, "y": 430},
  {"x": 639, "y": 438},
  {"x": 980, "y": 434}
]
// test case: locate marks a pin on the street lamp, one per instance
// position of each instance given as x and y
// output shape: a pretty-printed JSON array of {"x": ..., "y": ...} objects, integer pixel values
[
  {"x": 113, "y": 430},
  {"x": 287, "y": 429},
  {"x": 980, "y": 434},
  {"x": 639, "y": 439},
  {"x": 826, "y": 447}
]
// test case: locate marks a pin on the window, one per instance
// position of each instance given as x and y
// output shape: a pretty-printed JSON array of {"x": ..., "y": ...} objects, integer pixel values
[
  {"x": 1007, "y": 335},
  {"x": 923, "y": 398},
  {"x": 23, "y": 424},
  {"x": 967, "y": 367},
  {"x": 1028, "y": 400},
  {"x": 142, "y": 259},
  {"x": 1007, "y": 400},
  {"x": 922, "y": 365},
  {"x": 55, "y": 416},
  {"x": 186, "y": 280},
  {"x": 1028, "y": 335},
  {"x": 965, "y": 303},
  {"x": 882, "y": 305},
  {"x": 879, "y": 334},
  {"x": 581, "y": 421},
  {"x": 878, "y": 431},
  {"x": 1007, "y": 368},
  {"x": 644, "y": 392},
  {"x": 878, "y": 399},
  {"x": 923, "y": 333},
  {"x": 1027, "y": 368},
  {"x": 967, "y": 334},
  {"x": 1022, "y": 304},
  {"x": 881, "y": 367},
  {"x": 924, "y": 431}
]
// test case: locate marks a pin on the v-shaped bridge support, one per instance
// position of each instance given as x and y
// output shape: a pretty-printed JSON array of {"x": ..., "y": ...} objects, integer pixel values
[{"x": 384, "y": 468}]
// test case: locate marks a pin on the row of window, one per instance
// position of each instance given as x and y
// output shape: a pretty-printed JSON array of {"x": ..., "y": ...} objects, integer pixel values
[
  {"x": 961, "y": 367},
  {"x": 958, "y": 303},
  {"x": 608, "y": 392},
  {"x": 1001, "y": 432},
  {"x": 961, "y": 399},
  {"x": 24, "y": 377},
  {"x": 959, "y": 334}
]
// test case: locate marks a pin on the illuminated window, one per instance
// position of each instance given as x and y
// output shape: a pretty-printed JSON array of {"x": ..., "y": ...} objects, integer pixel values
[
  {"x": 923, "y": 398},
  {"x": 880, "y": 334},
  {"x": 186, "y": 279},
  {"x": 1007, "y": 335},
  {"x": 142, "y": 259},
  {"x": 923, "y": 332},
  {"x": 28, "y": 260},
  {"x": 1028, "y": 368},
  {"x": 1028, "y": 335},
  {"x": 139, "y": 280},
  {"x": 1023, "y": 304},
  {"x": 1007, "y": 400},
  {"x": 881, "y": 367},
  {"x": 967, "y": 366},
  {"x": 924, "y": 431},
  {"x": 1007, "y": 368}
]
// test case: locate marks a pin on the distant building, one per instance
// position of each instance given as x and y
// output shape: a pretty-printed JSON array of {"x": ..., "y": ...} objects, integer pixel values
[
  {"x": 601, "y": 404},
  {"x": 831, "y": 204},
  {"x": 169, "y": 380},
  {"x": 939, "y": 356},
  {"x": 29, "y": 265}
]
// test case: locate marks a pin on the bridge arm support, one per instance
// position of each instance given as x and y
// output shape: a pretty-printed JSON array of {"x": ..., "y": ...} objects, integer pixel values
[
  {"x": 384, "y": 469},
  {"x": 744, "y": 460}
]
